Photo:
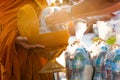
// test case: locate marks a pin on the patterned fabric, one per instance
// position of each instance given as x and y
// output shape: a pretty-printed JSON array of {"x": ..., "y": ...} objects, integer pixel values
[{"x": 17, "y": 63}]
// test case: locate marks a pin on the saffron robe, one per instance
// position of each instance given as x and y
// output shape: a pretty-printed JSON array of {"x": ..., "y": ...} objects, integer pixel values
[{"x": 17, "y": 63}]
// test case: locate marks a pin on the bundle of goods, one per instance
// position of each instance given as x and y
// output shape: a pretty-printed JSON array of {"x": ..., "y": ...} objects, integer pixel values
[
  {"x": 100, "y": 63},
  {"x": 79, "y": 65},
  {"x": 108, "y": 31}
]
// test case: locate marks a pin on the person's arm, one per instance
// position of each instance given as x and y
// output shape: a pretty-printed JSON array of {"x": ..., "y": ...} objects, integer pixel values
[
  {"x": 93, "y": 20},
  {"x": 85, "y": 9},
  {"x": 100, "y": 8}
]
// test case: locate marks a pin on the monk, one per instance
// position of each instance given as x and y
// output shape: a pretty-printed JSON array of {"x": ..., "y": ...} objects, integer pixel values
[{"x": 17, "y": 61}]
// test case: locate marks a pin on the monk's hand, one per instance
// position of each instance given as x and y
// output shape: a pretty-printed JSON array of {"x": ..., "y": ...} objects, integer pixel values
[{"x": 22, "y": 42}]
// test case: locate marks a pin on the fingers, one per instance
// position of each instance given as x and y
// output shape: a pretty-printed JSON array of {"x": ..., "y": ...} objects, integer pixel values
[
  {"x": 58, "y": 17},
  {"x": 40, "y": 46},
  {"x": 22, "y": 42},
  {"x": 22, "y": 38},
  {"x": 28, "y": 46}
]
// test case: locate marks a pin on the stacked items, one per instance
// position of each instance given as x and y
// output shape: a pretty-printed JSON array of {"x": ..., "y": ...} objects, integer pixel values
[
  {"x": 104, "y": 60},
  {"x": 101, "y": 61},
  {"x": 108, "y": 31},
  {"x": 112, "y": 63},
  {"x": 79, "y": 65}
]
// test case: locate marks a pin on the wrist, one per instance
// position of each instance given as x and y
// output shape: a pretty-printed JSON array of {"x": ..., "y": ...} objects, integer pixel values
[{"x": 69, "y": 11}]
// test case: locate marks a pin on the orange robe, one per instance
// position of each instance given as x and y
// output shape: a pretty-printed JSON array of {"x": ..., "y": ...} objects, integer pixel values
[{"x": 17, "y": 63}]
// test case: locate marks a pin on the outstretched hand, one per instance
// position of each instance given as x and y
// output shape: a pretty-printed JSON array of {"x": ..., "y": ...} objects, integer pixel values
[
  {"x": 22, "y": 42},
  {"x": 58, "y": 17}
]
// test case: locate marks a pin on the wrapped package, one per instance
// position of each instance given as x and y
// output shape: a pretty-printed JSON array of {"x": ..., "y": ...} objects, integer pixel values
[
  {"x": 112, "y": 68},
  {"x": 115, "y": 25},
  {"x": 99, "y": 58},
  {"x": 116, "y": 65},
  {"x": 104, "y": 31},
  {"x": 81, "y": 65},
  {"x": 109, "y": 31},
  {"x": 80, "y": 29}
]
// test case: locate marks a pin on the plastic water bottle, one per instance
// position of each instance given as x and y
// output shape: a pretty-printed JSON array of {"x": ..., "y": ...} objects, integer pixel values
[{"x": 97, "y": 76}]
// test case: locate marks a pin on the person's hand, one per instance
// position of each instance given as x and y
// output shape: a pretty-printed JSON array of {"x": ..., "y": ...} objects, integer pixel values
[
  {"x": 58, "y": 17},
  {"x": 22, "y": 42}
]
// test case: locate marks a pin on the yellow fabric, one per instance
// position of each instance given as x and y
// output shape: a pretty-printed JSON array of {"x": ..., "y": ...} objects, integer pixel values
[
  {"x": 17, "y": 63},
  {"x": 29, "y": 26}
]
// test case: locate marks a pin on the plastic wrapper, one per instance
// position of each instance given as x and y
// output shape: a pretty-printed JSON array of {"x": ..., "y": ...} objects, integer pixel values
[
  {"x": 115, "y": 25},
  {"x": 112, "y": 66},
  {"x": 116, "y": 64},
  {"x": 101, "y": 49},
  {"x": 47, "y": 12},
  {"x": 80, "y": 28},
  {"x": 109, "y": 31},
  {"x": 88, "y": 72},
  {"x": 95, "y": 29},
  {"x": 79, "y": 65},
  {"x": 87, "y": 40},
  {"x": 108, "y": 70},
  {"x": 95, "y": 48},
  {"x": 103, "y": 30}
]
